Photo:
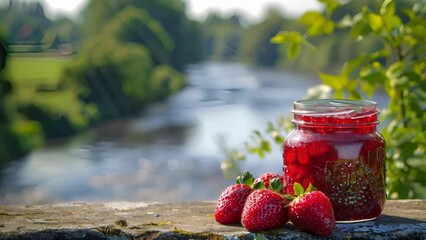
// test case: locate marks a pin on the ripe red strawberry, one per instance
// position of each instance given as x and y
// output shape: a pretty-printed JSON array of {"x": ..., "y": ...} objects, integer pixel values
[
  {"x": 289, "y": 155},
  {"x": 231, "y": 201},
  {"x": 321, "y": 153},
  {"x": 312, "y": 211},
  {"x": 265, "y": 209},
  {"x": 302, "y": 155},
  {"x": 266, "y": 178}
]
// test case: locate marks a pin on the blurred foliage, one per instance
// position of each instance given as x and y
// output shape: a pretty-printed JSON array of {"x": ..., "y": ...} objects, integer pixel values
[
  {"x": 256, "y": 47},
  {"x": 170, "y": 14},
  {"x": 114, "y": 68},
  {"x": 16, "y": 135},
  {"x": 251, "y": 43},
  {"x": 118, "y": 58},
  {"x": 222, "y": 36},
  {"x": 127, "y": 45},
  {"x": 24, "y": 23},
  {"x": 396, "y": 65}
]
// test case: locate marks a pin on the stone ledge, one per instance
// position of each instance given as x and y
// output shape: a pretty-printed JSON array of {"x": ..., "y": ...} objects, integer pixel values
[{"x": 402, "y": 219}]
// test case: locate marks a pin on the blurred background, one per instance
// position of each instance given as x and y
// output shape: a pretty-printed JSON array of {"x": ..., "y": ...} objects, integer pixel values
[{"x": 105, "y": 100}]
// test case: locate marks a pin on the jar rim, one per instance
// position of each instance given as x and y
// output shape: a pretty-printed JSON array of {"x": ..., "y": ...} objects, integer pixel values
[{"x": 335, "y": 107}]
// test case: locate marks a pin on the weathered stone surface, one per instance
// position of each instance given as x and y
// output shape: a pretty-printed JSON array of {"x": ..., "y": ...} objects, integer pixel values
[{"x": 189, "y": 220}]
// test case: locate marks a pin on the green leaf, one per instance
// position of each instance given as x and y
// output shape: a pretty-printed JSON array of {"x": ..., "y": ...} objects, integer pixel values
[
  {"x": 391, "y": 22},
  {"x": 375, "y": 76},
  {"x": 247, "y": 178},
  {"x": 355, "y": 94},
  {"x": 375, "y": 22},
  {"x": 317, "y": 24},
  {"x": 411, "y": 75},
  {"x": 257, "y": 133},
  {"x": 238, "y": 180},
  {"x": 410, "y": 40},
  {"x": 368, "y": 88},
  {"x": 408, "y": 148},
  {"x": 259, "y": 185},
  {"x": 311, "y": 17},
  {"x": 351, "y": 86},
  {"x": 276, "y": 185},
  {"x": 353, "y": 64},
  {"x": 289, "y": 197},
  {"x": 377, "y": 55},
  {"x": 287, "y": 36},
  {"x": 337, "y": 82},
  {"x": 396, "y": 69},
  {"x": 310, "y": 188},
  {"x": 388, "y": 7},
  {"x": 270, "y": 127},
  {"x": 260, "y": 152},
  {"x": 265, "y": 146},
  {"x": 279, "y": 139},
  {"x": 293, "y": 50},
  {"x": 409, "y": 13},
  {"x": 330, "y": 5},
  {"x": 360, "y": 25},
  {"x": 298, "y": 189},
  {"x": 360, "y": 29}
]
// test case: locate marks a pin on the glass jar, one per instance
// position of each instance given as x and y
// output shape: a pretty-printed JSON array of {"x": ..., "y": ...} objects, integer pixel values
[{"x": 336, "y": 147}]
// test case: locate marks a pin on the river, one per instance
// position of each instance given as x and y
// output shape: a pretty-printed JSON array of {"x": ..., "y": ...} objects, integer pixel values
[{"x": 170, "y": 152}]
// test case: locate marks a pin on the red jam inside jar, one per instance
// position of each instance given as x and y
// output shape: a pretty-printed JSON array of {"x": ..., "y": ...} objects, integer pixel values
[{"x": 336, "y": 147}]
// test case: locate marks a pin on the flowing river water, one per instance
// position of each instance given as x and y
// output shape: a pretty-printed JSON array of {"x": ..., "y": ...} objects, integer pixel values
[{"x": 170, "y": 152}]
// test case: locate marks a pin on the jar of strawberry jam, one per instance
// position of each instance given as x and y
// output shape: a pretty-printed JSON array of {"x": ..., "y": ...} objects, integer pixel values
[{"x": 336, "y": 147}]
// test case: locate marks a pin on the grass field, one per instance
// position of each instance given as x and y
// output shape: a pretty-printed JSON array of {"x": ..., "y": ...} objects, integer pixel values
[
  {"x": 35, "y": 78},
  {"x": 33, "y": 70}
]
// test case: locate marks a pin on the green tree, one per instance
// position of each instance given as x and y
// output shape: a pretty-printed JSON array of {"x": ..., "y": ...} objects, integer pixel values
[
  {"x": 185, "y": 34},
  {"x": 115, "y": 69},
  {"x": 222, "y": 36},
  {"x": 63, "y": 31},
  {"x": 24, "y": 23},
  {"x": 17, "y": 136}
]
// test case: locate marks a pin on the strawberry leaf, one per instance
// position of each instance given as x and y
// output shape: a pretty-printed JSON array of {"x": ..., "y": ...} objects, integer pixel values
[
  {"x": 247, "y": 178},
  {"x": 259, "y": 185},
  {"x": 276, "y": 185},
  {"x": 310, "y": 188},
  {"x": 289, "y": 197},
  {"x": 298, "y": 189},
  {"x": 238, "y": 180}
]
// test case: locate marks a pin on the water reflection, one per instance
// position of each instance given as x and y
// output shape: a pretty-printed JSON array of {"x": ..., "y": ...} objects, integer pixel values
[{"x": 168, "y": 153}]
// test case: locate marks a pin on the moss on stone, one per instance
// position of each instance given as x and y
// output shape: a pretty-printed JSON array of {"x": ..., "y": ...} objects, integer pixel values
[
  {"x": 121, "y": 223},
  {"x": 196, "y": 235},
  {"x": 157, "y": 224},
  {"x": 109, "y": 230}
]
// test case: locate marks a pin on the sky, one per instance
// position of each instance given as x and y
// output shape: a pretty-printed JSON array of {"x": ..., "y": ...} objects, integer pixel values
[{"x": 253, "y": 9}]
